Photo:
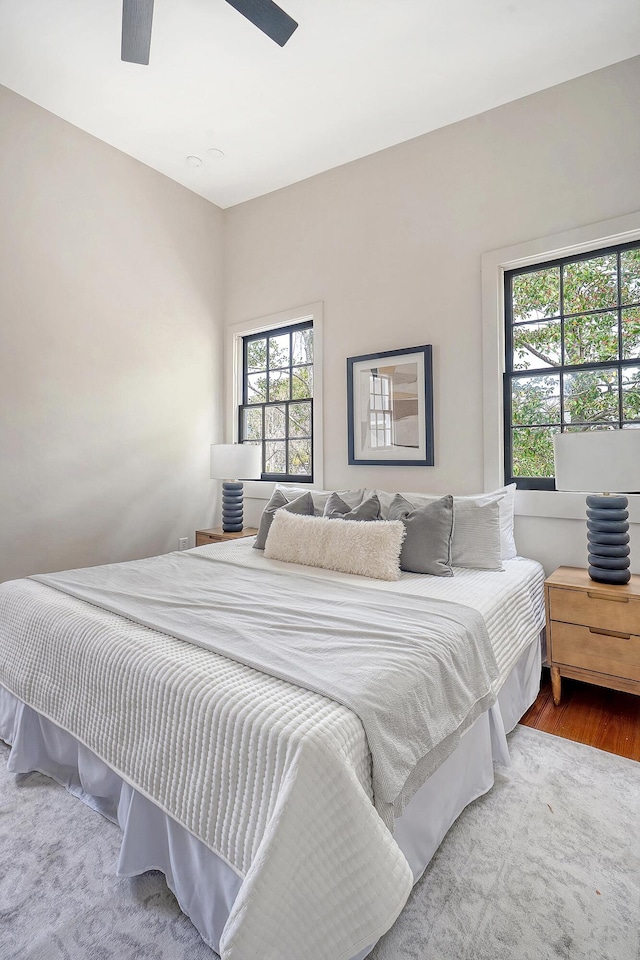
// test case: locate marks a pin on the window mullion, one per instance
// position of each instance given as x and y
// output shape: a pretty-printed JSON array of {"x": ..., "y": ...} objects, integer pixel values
[
  {"x": 286, "y": 412},
  {"x": 562, "y": 349},
  {"x": 245, "y": 370},
  {"x": 619, "y": 293},
  {"x": 268, "y": 367},
  {"x": 507, "y": 379}
]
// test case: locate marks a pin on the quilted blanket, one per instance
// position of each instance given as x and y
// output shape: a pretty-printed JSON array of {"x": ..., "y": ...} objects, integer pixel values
[
  {"x": 417, "y": 674},
  {"x": 275, "y": 778}
]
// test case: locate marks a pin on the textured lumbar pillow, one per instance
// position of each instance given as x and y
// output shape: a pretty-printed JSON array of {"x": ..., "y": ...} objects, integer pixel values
[
  {"x": 427, "y": 546},
  {"x": 337, "y": 509},
  {"x": 302, "y": 505},
  {"x": 366, "y": 549}
]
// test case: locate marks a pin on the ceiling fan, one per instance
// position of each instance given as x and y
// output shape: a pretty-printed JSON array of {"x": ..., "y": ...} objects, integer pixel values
[{"x": 137, "y": 16}]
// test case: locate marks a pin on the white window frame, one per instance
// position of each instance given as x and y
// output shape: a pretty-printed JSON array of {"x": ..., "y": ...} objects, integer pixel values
[
  {"x": 534, "y": 503},
  {"x": 262, "y": 489}
]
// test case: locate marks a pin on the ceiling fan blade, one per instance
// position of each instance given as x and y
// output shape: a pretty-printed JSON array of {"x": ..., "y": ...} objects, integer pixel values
[
  {"x": 268, "y": 17},
  {"x": 137, "y": 16}
]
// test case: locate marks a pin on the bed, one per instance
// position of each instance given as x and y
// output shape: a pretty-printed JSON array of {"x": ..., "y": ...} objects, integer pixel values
[{"x": 251, "y": 793}]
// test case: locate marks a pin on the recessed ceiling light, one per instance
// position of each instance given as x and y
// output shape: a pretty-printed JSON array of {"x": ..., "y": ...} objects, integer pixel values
[
  {"x": 194, "y": 161},
  {"x": 214, "y": 154}
]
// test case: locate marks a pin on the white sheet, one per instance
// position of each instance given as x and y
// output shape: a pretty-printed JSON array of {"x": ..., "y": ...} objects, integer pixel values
[{"x": 511, "y": 601}]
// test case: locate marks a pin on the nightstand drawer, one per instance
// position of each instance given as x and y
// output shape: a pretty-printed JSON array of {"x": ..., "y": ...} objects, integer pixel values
[
  {"x": 583, "y": 647},
  {"x": 203, "y": 538},
  {"x": 594, "y": 609},
  {"x": 218, "y": 535}
]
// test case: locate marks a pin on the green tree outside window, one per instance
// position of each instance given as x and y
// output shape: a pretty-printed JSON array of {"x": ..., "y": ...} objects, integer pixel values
[
  {"x": 277, "y": 408},
  {"x": 573, "y": 352}
]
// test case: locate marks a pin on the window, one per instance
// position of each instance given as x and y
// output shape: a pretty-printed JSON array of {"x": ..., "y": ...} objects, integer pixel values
[
  {"x": 277, "y": 400},
  {"x": 572, "y": 354}
]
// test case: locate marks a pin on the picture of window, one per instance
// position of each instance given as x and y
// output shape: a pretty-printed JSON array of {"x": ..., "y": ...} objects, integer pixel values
[{"x": 390, "y": 408}]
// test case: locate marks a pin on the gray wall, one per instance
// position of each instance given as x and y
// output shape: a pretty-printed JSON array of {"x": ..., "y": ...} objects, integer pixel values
[{"x": 110, "y": 349}]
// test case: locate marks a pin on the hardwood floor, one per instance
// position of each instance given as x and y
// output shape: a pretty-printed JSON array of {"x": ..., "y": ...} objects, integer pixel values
[{"x": 602, "y": 718}]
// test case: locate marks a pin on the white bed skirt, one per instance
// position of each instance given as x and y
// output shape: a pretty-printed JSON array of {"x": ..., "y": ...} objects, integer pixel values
[{"x": 204, "y": 885}]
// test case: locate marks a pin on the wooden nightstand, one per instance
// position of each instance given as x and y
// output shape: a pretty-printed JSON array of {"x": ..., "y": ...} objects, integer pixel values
[
  {"x": 593, "y": 631},
  {"x": 217, "y": 535}
]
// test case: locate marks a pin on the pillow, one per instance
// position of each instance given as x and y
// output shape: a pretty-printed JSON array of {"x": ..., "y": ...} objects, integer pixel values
[
  {"x": 505, "y": 496},
  {"x": 303, "y": 504},
  {"x": 427, "y": 545},
  {"x": 365, "y": 549},
  {"x": 506, "y": 504},
  {"x": 337, "y": 509},
  {"x": 320, "y": 497},
  {"x": 476, "y": 534}
]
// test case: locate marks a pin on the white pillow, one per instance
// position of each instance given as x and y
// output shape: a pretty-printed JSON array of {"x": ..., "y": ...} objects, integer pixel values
[
  {"x": 476, "y": 534},
  {"x": 366, "y": 549},
  {"x": 352, "y": 498},
  {"x": 505, "y": 498}
]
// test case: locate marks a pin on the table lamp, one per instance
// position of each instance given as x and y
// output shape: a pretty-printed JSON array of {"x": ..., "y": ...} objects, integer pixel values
[
  {"x": 233, "y": 463},
  {"x": 606, "y": 464}
]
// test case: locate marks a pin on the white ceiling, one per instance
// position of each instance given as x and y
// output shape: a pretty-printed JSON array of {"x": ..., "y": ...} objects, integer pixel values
[{"x": 357, "y": 76}]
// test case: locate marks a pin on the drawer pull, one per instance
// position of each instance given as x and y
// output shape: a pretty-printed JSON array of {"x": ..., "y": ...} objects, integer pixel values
[
  {"x": 608, "y": 597},
  {"x": 610, "y": 633}
]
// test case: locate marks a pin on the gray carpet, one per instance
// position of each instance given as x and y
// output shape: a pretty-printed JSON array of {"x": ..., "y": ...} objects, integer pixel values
[{"x": 547, "y": 865}]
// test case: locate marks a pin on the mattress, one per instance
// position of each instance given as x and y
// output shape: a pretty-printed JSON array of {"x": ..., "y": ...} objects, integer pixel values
[{"x": 288, "y": 771}]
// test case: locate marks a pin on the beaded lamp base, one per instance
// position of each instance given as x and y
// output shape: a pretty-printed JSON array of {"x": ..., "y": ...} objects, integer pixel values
[
  {"x": 608, "y": 539},
  {"x": 232, "y": 506}
]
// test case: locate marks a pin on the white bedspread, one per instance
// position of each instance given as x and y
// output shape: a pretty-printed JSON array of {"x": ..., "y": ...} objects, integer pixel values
[
  {"x": 284, "y": 791},
  {"x": 416, "y": 673}
]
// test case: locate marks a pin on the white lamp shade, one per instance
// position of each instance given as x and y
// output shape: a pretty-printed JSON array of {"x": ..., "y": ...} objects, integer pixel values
[
  {"x": 236, "y": 461},
  {"x": 598, "y": 461}
]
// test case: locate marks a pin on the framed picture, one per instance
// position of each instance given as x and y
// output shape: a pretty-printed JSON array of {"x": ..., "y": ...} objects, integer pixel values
[{"x": 390, "y": 408}]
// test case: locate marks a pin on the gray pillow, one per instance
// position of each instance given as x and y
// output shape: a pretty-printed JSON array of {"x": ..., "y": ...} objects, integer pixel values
[
  {"x": 427, "y": 545},
  {"x": 303, "y": 505},
  {"x": 336, "y": 509},
  {"x": 351, "y": 497}
]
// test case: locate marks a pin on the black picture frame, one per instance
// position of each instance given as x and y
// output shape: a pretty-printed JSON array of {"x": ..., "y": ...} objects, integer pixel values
[{"x": 390, "y": 410}]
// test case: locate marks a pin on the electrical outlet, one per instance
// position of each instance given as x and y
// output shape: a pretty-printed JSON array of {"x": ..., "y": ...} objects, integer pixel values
[{"x": 183, "y": 543}]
